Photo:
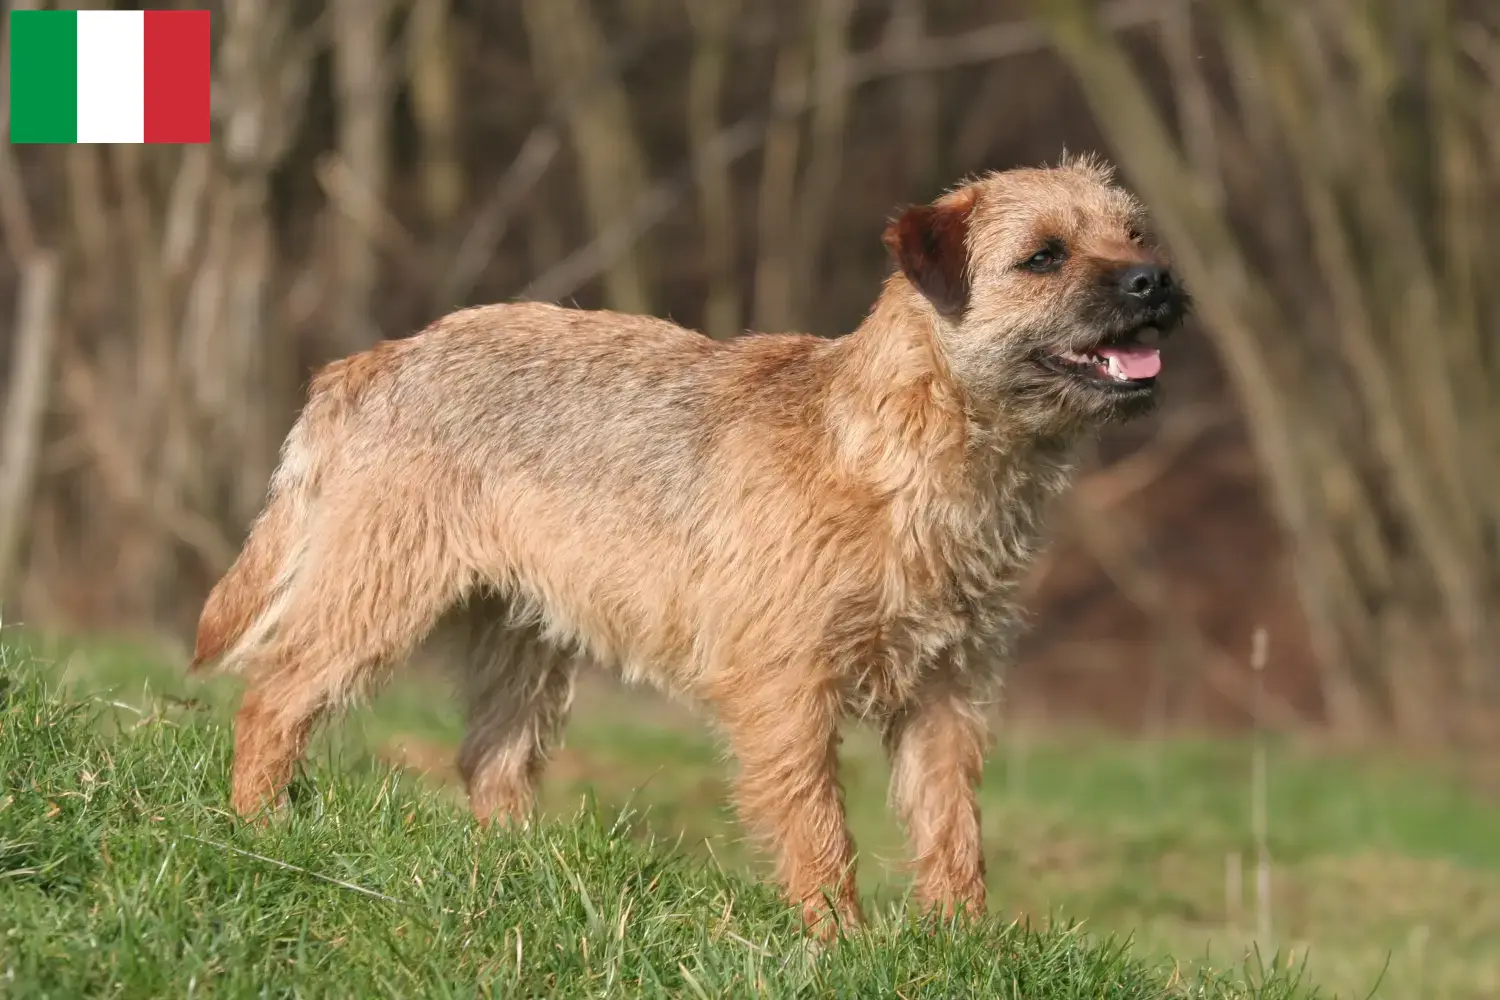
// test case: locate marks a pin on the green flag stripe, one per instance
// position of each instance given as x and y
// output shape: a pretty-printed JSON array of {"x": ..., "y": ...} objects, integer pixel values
[{"x": 43, "y": 76}]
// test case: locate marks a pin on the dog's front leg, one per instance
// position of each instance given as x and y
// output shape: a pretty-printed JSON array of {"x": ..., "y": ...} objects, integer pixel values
[
  {"x": 788, "y": 793},
  {"x": 937, "y": 750}
]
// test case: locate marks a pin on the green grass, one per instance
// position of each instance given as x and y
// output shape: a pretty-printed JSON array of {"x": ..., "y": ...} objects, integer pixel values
[
  {"x": 1384, "y": 871},
  {"x": 121, "y": 874}
]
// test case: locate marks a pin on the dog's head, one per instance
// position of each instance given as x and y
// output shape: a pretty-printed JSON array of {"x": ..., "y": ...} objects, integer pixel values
[{"x": 1049, "y": 298}]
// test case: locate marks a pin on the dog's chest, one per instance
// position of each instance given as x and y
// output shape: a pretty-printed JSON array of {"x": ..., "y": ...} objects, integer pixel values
[{"x": 947, "y": 597}]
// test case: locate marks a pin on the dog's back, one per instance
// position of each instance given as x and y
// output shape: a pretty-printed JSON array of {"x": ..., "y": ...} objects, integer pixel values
[
  {"x": 573, "y": 399},
  {"x": 513, "y": 439}
]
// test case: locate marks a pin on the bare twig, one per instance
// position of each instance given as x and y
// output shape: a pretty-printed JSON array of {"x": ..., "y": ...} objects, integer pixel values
[
  {"x": 1259, "y": 806},
  {"x": 435, "y": 105},
  {"x": 1143, "y": 467},
  {"x": 26, "y": 405},
  {"x": 1234, "y": 888},
  {"x": 776, "y": 204},
  {"x": 123, "y": 479},
  {"x": 363, "y": 78},
  {"x": 829, "y": 116},
  {"x": 15, "y": 217},
  {"x": 567, "y": 43},
  {"x": 491, "y": 221},
  {"x": 590, "y": 260},
  {"x": 713, "y": 21},
  {"x": 1195, "y": 110},
  {"x": 916, "y": 97},
  {"x": 364, "y": 210}
]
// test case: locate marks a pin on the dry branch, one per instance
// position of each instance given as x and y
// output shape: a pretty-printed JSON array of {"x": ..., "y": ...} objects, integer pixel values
[
  {"x": 36, "y": 335},
  {"x": 493, "y": 219},
  {"x": 776, "y": 203},
  {"x": 435, "y": 100},
  {"x": 364, "y": 78},
  {"x": 917, "y": 97},
  {"x": 713, "y": 21},
  {"x": 831, "y": 101},
  {"x": 567, "y": 44}
]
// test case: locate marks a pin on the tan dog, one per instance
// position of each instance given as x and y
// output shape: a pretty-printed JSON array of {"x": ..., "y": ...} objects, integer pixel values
[{"x": 783, "y": 528}]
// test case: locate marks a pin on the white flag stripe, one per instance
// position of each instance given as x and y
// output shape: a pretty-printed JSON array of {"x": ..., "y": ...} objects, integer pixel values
[{"x": 111, "y": 76}]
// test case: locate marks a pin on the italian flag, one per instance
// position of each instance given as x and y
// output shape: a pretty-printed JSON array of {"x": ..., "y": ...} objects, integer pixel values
[{"x": 109, "y": 76}]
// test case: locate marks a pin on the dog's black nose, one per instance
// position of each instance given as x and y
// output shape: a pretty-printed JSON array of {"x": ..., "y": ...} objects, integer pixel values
[{"x": 1149, "y": 283}]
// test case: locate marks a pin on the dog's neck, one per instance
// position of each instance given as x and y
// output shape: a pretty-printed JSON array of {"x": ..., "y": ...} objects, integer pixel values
[
  {"x": 905, "y": 409},
  {"x": 965, "y": 491}
]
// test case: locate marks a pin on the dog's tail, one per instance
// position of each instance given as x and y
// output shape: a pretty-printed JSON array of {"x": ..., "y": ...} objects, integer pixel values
[{"x": 245, "y": 606}]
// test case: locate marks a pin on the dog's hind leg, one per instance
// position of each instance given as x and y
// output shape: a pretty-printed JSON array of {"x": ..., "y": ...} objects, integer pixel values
[
  {"x": 381, "y": 571},
  {"x": 517, "y": 688}
]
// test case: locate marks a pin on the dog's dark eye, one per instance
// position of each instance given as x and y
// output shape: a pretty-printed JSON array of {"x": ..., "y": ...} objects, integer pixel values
[
  {"x": 1045, "y": 259},
  {"x": 1136, "y": 236}
]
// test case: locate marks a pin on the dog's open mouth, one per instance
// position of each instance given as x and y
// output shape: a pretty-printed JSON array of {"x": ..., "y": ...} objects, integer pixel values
[{"x": 1126, "y": 362}]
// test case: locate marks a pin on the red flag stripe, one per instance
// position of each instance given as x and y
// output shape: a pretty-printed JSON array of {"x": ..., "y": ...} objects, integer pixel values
[{"x": 177, "y": 76}]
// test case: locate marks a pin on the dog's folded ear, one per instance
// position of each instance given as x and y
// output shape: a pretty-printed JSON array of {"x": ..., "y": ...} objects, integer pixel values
[{"x": 930, "y": 244}]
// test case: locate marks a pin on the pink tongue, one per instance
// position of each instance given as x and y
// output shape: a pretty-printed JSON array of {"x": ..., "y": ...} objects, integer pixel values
[{"x": 1133, "y": 362}]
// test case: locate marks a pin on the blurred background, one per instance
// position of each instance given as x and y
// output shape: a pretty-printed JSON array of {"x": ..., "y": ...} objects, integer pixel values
[
  {"x": 1325, "y": 466},
  {"x": 1325, "y": 469}
]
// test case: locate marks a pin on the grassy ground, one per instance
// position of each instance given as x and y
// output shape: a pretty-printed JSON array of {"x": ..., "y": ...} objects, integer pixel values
[{"x": 1377, "y": 864}]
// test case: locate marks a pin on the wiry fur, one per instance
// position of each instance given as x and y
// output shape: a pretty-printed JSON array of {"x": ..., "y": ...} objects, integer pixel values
[{"x": 783, "y": 528}]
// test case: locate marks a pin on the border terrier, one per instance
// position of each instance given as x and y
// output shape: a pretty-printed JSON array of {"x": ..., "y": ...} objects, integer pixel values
[{"x": 781, "y": 528}]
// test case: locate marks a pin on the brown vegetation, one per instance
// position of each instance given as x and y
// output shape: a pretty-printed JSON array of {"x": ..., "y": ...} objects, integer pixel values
[
  {"x": 1350, "y": 166},
  {"x": 1326, "y": 172}
]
